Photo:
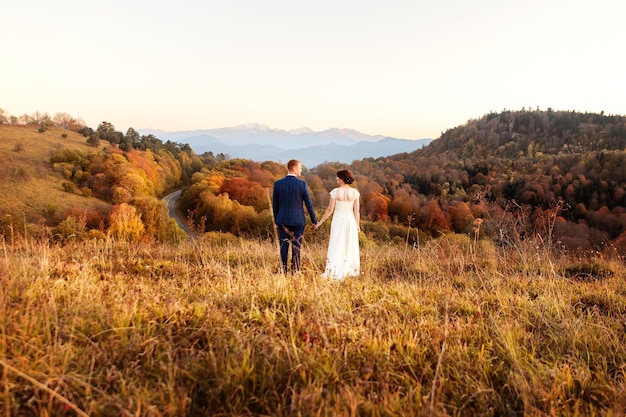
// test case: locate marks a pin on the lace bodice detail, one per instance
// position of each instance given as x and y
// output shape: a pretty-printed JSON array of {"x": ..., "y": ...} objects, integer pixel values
[{"x": 347, "y": 194}]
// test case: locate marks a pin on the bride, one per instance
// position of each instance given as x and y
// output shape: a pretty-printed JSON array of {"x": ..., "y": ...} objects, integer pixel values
[{"x": 343, "y": 247}]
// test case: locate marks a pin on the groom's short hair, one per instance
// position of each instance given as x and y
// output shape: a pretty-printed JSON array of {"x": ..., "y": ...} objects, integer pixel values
[{"x": 291, "y": 165}]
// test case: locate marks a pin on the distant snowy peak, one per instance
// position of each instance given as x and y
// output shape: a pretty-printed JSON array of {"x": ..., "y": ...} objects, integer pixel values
[
  {"x": 253, "y": 127},
  {"x": 301, "y": 130}
]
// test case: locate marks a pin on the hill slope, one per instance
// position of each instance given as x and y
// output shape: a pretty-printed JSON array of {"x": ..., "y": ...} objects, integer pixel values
[
  {"x": 31, "y": 189},
  {"x": 509, "y": 134}
]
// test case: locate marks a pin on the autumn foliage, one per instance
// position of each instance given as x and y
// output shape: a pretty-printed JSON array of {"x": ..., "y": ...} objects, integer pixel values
[{"x": 554, "y": 174}]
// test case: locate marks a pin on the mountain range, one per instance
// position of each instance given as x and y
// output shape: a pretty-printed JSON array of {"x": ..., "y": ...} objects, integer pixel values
[{"x": 260, "y": 143}]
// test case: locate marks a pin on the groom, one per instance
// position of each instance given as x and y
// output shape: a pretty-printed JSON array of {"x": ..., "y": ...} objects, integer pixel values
[{"x": 289, "y": 194}]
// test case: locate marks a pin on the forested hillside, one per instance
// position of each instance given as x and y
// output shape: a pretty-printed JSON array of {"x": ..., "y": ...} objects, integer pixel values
[
  {"x": 553, "y": 174},
  {"x": 557, "y": 175},
  {"x": 560, "y": 175}
]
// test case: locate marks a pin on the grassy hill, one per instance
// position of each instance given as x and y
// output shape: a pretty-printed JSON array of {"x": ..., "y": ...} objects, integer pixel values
[{"x": 31, "y": 189}]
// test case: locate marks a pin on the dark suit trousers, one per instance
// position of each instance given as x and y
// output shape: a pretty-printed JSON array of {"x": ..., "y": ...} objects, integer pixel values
[{"x": 290, "y": 235}]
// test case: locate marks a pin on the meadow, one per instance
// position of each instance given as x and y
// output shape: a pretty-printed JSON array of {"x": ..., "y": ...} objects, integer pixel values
[
  {"x": 29, "y": 185},
  {"x": 450, "y": 327}
]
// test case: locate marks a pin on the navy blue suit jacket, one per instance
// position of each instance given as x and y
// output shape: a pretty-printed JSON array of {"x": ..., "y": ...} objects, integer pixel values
[{"x": 289, "y": 194}]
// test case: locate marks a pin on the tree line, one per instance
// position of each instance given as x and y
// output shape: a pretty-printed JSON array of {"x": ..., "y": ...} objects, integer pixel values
[{"x": 508, "y": 175}]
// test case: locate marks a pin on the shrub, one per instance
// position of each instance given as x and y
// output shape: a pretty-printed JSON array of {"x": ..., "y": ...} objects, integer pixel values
[
  {"x": 68, "y": 187},
  {"x": 70, "y": 228},
  {"x": 158, "y": 225},
  {"x": 93, "y": 140},
  {"x": 121, "y": 195},
  {"x": 95, "y": 234},
  {"x": 219, "y": 238},
  {"x": 94, "y": 217},
  {"x": 75, "y": 156},
  {"x": 126, "y": 223},
  {"x": 51, "y": 209},
  {"x": 11, "y": 227},
  {"x": 375, "y": 230}
]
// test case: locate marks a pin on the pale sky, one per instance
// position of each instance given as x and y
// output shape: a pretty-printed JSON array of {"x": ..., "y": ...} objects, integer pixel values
[{"x": 409, "y": 69}]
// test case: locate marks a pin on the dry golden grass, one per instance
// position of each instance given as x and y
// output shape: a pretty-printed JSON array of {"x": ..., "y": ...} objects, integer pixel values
[
  {"x": 31, "y": 189},
  {"x": 452, "y": 328}
]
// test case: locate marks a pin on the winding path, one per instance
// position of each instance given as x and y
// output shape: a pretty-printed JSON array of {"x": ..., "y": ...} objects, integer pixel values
[{"x": 170, "y": 201}]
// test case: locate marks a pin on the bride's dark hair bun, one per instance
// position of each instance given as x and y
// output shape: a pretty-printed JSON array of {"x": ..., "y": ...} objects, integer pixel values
[{"x": 345, "y": 176}]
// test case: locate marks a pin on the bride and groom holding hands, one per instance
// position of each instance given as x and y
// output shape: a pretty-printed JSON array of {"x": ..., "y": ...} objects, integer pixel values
[{"x": 289, "y": 196}]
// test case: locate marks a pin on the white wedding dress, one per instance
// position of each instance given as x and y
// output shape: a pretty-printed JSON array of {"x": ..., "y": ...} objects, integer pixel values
[{"x": 343, "y": 247}]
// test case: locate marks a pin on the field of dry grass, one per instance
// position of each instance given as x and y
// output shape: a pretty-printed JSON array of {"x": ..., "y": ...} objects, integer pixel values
[
  {"x": 31, "y": 189},
  {"x": 453, "y": 327}
]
